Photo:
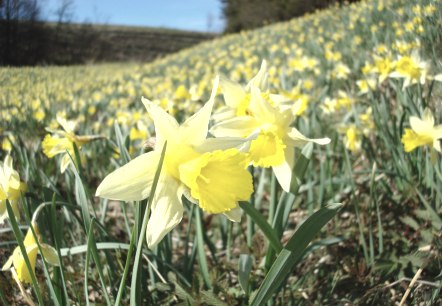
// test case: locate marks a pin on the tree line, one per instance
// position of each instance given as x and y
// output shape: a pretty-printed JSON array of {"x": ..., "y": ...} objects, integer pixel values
[{"x": 248, "y": 14}]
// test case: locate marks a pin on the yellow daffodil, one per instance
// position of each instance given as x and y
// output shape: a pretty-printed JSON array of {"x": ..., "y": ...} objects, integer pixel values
[
  {"x": 353, "y": 139},
  {"x": 422, "y": 133},
  {"x": 413, "y": 70},
  {"x": 17, "y": 261},
  {"x": 62, "y": 142},
  {"x": 210, "y": 172},
  {"x": 10, "y": 188},
  {"x": 237, "y": 97},
  {"x": 275, "y": 145}
]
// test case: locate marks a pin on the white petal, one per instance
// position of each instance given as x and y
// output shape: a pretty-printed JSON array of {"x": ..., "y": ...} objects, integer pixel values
[
  {"x": 260, "y": 108},
  {"x": 236, "y": 127},
  {"x": 284, "y": 171},
  {"x": 224, "y": 143},
  {"x": 50, "y": 254},
  {"x": 233, "y": 92},
  {"x": 65, "y": 162},
  {"x": 428, "y": 116},
  {"x": 133, "y": 181},
  {"x": 438, "y": 77},
  {"x": 224, "y": 113},
  {"x": 166, "y": 126},
  {"x": 167, "y": 210},
  {"x": 298, "y": 140},
  {"x": 8, "y": 264},
  {"x": 195, "y": 129},
  {"x": 260, "y": 79},
  {"x": 234, "y": 214},
  {"x": 422, "y": 126}
]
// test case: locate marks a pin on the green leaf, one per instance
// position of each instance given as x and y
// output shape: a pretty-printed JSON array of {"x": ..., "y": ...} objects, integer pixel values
[
  {"x": 292, "y": 253},
  {"x": 245, "y": 266},
  {"x": 263, "y": 225},
  {"x": 300, "y": 167},
  {"x": 200, "y": 246},
  {"x": 134, "y": 280}
]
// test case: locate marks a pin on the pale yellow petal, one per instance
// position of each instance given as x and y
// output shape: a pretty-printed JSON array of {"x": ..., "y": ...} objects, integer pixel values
[
  {"x": 421, "y": 126},
  {"x": 50, "y": 254},
  {"x": 260, "y": 108},
  {"x": 167, "y": 210},
  {"x": 131, "y": 182},
  {"x": 298, "y": 140},
  {"x": 233, "y": 92},
  {"x": 8, "y": 264},
  {"x": 260, "y": 79},
  {"x": 65, "y": 162},
  {"x": 236, "y": 127},
  {"x": 194, "y": 130},
  {"x": 234, "y": 214},
  {"x": 166, "y": 126},
  {"x": 224, "y": 143},
  {"x": 284, "y": 171},
  {"x": 428, "y": 117}
]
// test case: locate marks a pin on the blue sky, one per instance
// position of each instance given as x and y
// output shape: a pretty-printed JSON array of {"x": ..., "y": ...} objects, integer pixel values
[{"x": 178, "y": 14}]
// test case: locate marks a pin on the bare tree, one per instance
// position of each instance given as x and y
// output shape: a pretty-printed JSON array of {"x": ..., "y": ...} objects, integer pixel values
[{"x": 65, "y": 11}]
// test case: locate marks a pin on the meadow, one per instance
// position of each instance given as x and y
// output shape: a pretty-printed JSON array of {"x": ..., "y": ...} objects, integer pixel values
[{"x": 295, "y": 164}]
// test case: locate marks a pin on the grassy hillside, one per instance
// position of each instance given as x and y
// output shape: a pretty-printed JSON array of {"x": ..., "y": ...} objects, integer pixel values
[
  {"x": 50, "y": 43},
  {"x": 361, "y": 75}
]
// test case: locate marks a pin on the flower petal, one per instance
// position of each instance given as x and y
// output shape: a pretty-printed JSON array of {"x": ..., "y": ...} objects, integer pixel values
[
  {"x": 298, "y": 140},
  {"x": 284, "y": 171},
  {"x": 49, "y": 254},
  {"x": 233, "y": 92},
  {"x": 196, "y": 127},
  {"x": 167, "y": 210},
  {"x": 133, "y": 181},
  {"x": 234, "y": 214},
  {"x": 166, "y": 126},
  {"x": 260, "y": 108},
  {"x": 235, "y": 127},
  {"x": 224, "y": 143},
  {"x": 260, "y": 79}
]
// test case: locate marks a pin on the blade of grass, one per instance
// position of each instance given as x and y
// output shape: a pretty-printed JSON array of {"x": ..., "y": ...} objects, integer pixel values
[
  {"x": 292, "y": 252},
  {"x": 263, "y": 225},
  {"x": 133, "y": 293},
  {"x": 200, "y": 246}
]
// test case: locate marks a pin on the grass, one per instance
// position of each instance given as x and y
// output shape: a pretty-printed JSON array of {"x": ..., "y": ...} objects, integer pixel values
[{"x": 387, "y": 230}]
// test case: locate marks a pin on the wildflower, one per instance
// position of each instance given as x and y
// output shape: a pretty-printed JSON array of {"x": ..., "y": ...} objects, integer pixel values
[
  {"x": 17, "y": 261},
  {"x": 10, "y": 188},
  {"x": 274, "y": 146},
  {"x": 365, "y": 86},
  {"x": 210, "y": 172},
  {"x": 237, "y": 98},
  {"x": 422, "y": 133},
  {"x": 411, "y": 69},
  {"x": 353, "y": 139},
  {"x": 62, "y": 142}
]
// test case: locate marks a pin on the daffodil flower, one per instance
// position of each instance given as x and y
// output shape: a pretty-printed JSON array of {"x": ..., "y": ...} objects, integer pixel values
[
  {"x": 422, "y": 133},
  {"x": 237, "y": 97},
  {"x": 413, "y": 70},
  {"x": 275, "y": 145},
  {"x": 10, "y": 188},
  {"x": 62, "y": 142},
  {"x": 17, "y": 261},
  {"x": 210, "y": 172}
]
